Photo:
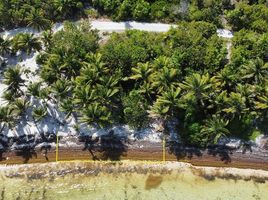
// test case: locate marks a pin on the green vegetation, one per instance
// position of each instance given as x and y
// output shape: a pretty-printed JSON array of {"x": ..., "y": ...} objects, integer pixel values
[
  {"x": 36, "y": 13},
  {"x": 253, "y": 17},
  {"x": 245, "y": 14},
  {"x": 41, "y": 14},
  {"x": 136, "y": 77},
  {"x": 163, "y": 10}
]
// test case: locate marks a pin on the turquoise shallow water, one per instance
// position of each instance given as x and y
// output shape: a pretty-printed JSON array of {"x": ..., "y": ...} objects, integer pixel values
[{"x": 121, "y": 182}]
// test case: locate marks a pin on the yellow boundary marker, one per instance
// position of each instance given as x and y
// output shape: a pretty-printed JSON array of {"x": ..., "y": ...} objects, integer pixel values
[
  {"x": 57, "y": 148},
  {"x": 94, "y": 161},
  {"x": 164, "y": 149}
]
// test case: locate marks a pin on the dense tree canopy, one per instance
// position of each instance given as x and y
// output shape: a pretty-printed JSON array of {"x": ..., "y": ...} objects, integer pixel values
[
  {"x": 41, "y": 14},
  {"x": 136, "y": 77},
  {"x": 37, "y": 13},
  {"x": 253, "y": 17}
]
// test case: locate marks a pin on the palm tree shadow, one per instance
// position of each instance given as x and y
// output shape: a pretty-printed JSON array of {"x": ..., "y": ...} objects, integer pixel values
[
  {"x": 108, "y": 147},
  {"x": 1, "y": 156},
  {"x": 128, "y": 26},
  {"x": 13, "y": 60},
  {"x": 4, "y": 145},
  {"x": 182, "y": 152},
  {"x": 223, "y": 153},
  {"x": 89, "y": 145},
  {"x": 44, "y": 150},
  {"x": 24, "y": 146},
  {"x": 27, "y": 154},
  {"x": 112, "y": 148}
]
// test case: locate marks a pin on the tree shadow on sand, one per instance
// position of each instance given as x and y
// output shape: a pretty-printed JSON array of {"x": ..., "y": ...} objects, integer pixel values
[
  {"x": 222, "y": 152},
  {"x": 182, "y": 152},
  {"x": 108, "y": 147},
  {"x": 26, "y": 154},
  {"x": 24, "y": 146},
  {"x": 1, "y": 156}
]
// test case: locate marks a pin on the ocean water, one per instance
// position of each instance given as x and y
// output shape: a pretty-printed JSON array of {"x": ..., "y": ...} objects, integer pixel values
[{"x": 133, "y": 182}]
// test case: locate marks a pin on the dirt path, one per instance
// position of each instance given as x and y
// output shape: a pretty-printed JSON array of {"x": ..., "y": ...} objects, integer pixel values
[{"x": 109, "y": 26}]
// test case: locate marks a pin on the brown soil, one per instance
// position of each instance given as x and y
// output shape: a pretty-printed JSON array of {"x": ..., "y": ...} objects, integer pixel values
[{"x": 145, "y": 151}]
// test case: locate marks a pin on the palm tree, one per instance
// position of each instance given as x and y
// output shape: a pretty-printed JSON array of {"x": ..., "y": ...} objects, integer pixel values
[
  {"x": 165, "y": 78},
  {"x": 12, "y": 78},
  {"x": 161, "y": 62},
  {"x": 141, "y": 72},
  {"x": 235, "y": 105},
  {"x": 197, "y": 87},
  {"x": 37, "y": 20},
  {"x": 262, "y": 102},
  {"x": 256, "y": 70},
  {"x": 226, "y": 78},
  {"x": 27, "y": 43},
  {"x": 84, "y": 95},
  {"x": 66, "y": 8},
  {"x": 96, "y": 62},
  {"x": 248, "y": 91},
  {"x": 61, "y": 88},
  {"x": 67, "y": 106},
  {"x": 69, "y": 64},
  {"x": 89, "y": 76},
  {"x": 39, "y": 113},
  {"x": 215, "y": 128},
  {"x": 105, "y": 94},
  {"x": 50, "y": 70},
  {"x": 9, "y": 96},
  {"x": 33, "y": 89},
  {"x": 108, "y": 88},
  {"x": 20, "y": 106},
  {"x": 167, "y": 103},
  {"x": 6, "y": 118},
  {"x": 92, "y": 71},
  {"x": 97, "y": 114},
  {"x": 47, "y": 38},
  {"x": 45, "y": 93},
  {"x": 148, "y": 89},
  {"x": 5, "y": 46}
]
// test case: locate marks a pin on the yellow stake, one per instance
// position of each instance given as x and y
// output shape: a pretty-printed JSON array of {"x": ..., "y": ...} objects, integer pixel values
[
  {"x": 164, "y": 149},
  {"x": 57, "y": 148}
]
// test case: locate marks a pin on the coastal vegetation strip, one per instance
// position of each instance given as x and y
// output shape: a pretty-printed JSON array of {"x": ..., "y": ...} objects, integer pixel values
[
  {"x": 41, "y": 15},
  {"x": 83, "y": 79},
  {"x": 155, "y": 75}
]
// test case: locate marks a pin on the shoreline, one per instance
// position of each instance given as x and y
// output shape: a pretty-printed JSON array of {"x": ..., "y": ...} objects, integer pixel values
[
  {"x": 45, "y": 170},
  {"x": 142, "y": 151},
  {"x": 127, "y": 179}
]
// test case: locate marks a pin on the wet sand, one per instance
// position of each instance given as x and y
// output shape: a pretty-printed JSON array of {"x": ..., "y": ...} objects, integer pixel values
[
  {"x": 132, "y": 181},
  {"x": 144, "y": 151}
]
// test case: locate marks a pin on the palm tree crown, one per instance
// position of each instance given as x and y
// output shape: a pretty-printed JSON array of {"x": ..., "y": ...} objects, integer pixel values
[
  {"x": 12, "y": 78},
  {"x": 37, "y": 20}
]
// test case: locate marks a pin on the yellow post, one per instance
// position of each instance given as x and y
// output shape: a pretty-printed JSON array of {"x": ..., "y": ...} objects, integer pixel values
[
  {"x": 164, "y": 149},
  {"x": 57, "y": 148}
]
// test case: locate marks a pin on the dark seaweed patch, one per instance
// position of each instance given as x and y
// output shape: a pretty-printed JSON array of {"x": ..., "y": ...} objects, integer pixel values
[{"x": 153, "y": 182}]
